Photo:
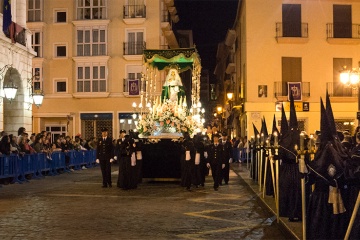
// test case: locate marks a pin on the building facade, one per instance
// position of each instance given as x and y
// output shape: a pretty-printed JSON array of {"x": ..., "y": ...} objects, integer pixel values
[
  {"x": 298, "y": 46},
  {"x": 16, "y": 57},
  {"x": 89, "y": 60}
]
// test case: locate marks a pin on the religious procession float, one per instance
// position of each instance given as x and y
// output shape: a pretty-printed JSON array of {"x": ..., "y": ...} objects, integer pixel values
[{"x": 165, "y": 118}]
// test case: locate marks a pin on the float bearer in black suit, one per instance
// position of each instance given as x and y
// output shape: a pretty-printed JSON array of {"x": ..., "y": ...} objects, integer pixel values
[
  {"x": 216, "y": 160},
  {"x": 228, "y": 155},
  {"x": 104, "y": 156}
]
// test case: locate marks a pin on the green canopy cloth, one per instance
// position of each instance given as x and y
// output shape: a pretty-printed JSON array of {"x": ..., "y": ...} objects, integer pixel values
[{"x": 184, "y": 58}]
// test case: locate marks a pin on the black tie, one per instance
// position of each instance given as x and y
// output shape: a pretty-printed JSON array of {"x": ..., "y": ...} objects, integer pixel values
[{"x": 104, "y": 139}]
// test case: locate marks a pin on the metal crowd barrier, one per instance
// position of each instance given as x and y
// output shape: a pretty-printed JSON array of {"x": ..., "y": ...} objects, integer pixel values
[{"x": 17, "y": 167}]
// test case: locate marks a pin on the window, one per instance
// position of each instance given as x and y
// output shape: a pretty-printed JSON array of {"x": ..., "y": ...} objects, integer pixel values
[
  {"x": 291, "y": 18},
  {"x": 91, "y": 41},
  {"x": 91, "y": 9},
  {"x": 60, "y": 86},
  {"x": 91, "y": 78},
  {"x": 342, "y": 21},
  {"x": 35, "y": 8},
  {"x": 37, "y": 78},
  {"x": 60, "y": 16},
  {"x": 291, "y": 69},
  {"x": 135, "y": 43},
  {"x": 36, "y": 43},
  {"x": 133, "y": 72},
  {"x": 60, "y": 50},
  {"x": 56, "y": 131}
]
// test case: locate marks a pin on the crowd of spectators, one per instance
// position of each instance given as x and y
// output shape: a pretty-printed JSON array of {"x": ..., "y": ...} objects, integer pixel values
[{"x": 41, "y": 142}]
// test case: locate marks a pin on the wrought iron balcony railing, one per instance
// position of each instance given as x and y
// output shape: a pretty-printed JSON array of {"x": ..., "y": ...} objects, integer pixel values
[
  {"x": 343, "y": 30},
  {"x": 291, "y": 30},
  {"x": 338, "y": 89},
  {"x": 134, "y": 11},
  {"x": 134, "y": 48},
  {"x": 281, "y": 89}
]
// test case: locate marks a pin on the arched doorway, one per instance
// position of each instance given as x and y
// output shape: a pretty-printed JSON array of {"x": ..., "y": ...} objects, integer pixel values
[{"x": 15, "y": 113}]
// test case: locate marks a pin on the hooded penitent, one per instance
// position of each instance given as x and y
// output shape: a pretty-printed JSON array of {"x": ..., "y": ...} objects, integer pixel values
[
  {"x": 326, "y": 218},
  {"x": 289, "y": 178}
]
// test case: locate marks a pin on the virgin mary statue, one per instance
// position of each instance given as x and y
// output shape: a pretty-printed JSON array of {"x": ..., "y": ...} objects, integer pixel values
[{"x": 172, "y": 88}]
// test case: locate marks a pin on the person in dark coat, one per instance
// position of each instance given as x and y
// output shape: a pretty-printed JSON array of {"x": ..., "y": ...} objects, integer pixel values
[
  {"x": 289, "y": 175},
  {"x": 228, "y": 155},
  {"x": 352, "y": 171},
  {"x": 104, "y": 156},
  {"x": 199, "y": 173},
  {"x": 188, "y": 152},
  {"x": 216, "y": 160},
  {"x": 326, "y": 211}
]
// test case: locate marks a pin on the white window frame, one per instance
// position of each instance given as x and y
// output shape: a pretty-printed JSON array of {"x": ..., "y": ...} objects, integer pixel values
[
  {"x": 40, "y": 44},
  {"x": 81, "y": 7},
  {"x": 37, "y": 78},
  {"x": 90, "y": 78},
  {"x": 56, "y": 80},
  {"x": 91, "y": 43},
  {"x": 32, "y": 10},
  {"x": 59, "y": 44},
  {"x": 56, "y": 10},
  {"x": 127, "y": 40}
]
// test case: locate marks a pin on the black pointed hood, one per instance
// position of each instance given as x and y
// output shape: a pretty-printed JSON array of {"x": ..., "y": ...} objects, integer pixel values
[
  {"x": 293, "y": 119},
  {"x": 325, "y": 134},
  {"x": 284, "y": 124},
  {"x": 256, "y": 132},
  {"x": 330, "y": 115},
  {"x": 274, "y": 126},
  {"x": 264, "y": 128}
]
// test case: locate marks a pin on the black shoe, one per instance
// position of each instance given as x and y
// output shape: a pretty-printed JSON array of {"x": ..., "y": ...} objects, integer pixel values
[
  {"x": 226, "y": 183},
  {"x": 110, "y": 185},
  {"x": 220, "y": 184},
  {"x": 202, "y": 184},
  {"x": 188, "y": 189},
  {"x": 215, "y": 188},
  {"x": 104, "y": 186}
]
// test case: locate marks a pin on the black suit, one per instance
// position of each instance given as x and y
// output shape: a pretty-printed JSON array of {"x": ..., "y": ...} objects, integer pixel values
[
  {"x": 105, "y": 151},
  {"x": 227, "y": 155},
  {"x": 216, "y": 159}
]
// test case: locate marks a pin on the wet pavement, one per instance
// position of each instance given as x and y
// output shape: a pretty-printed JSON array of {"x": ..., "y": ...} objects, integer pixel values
[{"x": 74, "y": 206}]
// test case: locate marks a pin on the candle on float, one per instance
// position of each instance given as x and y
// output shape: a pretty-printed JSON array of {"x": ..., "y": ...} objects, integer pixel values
[
  {"x": 311, "y": 142},
  {"x": 258, "y": 139},
  {"x": 302, "y": 140},
  {"x": 262, "y": 139},
  {"x": 276, "y": 139},
  {"x": 267, "y": 143}
]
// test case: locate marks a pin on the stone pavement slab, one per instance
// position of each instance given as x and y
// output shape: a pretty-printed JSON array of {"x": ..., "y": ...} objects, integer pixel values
[{"x": 74, "y": 206}]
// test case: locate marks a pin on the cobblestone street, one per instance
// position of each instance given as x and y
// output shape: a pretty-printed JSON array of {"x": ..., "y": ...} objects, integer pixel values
[{"x": 74, "y": 206}]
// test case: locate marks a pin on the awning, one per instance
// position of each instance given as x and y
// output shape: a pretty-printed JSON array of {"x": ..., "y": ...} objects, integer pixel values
[{"x": 185, "y": 58}]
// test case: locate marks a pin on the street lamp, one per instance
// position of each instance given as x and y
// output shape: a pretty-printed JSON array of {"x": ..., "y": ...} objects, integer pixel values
[
  {"x": 10, "y": 89},
  {"x": 351, "y": 78}
]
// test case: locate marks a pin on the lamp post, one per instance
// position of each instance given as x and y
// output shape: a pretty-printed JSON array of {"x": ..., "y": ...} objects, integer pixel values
[
  {"x": 351, "y": 78},
  {"x": 9, "y": 90}
]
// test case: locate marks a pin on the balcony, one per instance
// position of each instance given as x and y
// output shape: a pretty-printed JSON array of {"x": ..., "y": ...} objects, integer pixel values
[
  {"x": 134, "y": 14},
  {"x": 134, "y": 50},
  {"x": 292, "y": 33},
  {"x": 343, "y": 33},
  {"x": 281, "y": 90},
  {"x": 132, "y": 87},
  {"x": 341, "y": 93}
]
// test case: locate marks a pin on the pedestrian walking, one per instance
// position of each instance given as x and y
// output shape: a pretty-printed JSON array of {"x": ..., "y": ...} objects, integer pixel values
[{"x": 228, "y": 156}]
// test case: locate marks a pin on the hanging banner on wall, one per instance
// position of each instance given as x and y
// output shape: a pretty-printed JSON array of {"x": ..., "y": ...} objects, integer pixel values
[
  {"x": 295, "y": 88},
  {"x": 134, "y": 87}
]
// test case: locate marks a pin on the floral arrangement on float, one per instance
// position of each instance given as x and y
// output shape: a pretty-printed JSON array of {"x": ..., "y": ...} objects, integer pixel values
[{"x": 167, "y": 117}]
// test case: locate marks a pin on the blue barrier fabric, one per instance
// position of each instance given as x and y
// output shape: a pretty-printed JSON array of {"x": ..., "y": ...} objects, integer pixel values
[{"x": 20, "y": 167}]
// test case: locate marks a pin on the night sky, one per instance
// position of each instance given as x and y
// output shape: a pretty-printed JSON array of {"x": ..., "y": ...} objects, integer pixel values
[{"x": 209, "y": 20}]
